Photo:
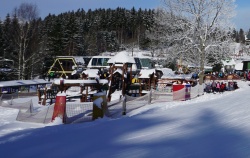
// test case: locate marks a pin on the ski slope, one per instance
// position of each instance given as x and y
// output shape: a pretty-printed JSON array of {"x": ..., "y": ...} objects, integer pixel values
[{"x": 212, "y": 125}]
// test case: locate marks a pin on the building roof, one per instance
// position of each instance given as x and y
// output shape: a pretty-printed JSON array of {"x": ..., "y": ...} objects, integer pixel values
[
  {"x": 239, "y": 66},
  {"x": 228, "y": 62},
  {"x": 15, "y": 83},
  {"x": 67, "y": 81},
  {"x": 121, "y": 57},
  {"x": 146, "y": 73}
]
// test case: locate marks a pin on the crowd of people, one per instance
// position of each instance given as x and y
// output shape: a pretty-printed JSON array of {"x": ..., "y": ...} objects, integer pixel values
[
  {"x": 243, "y": 74},
  {"x": 220, "y": 87}
]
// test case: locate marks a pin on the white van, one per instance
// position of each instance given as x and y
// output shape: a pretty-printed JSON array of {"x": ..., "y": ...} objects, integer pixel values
[{"x": 97, "y": 62}]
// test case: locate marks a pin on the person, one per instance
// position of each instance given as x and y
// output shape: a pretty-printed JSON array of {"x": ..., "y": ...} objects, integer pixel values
[
  {"x": 208, "y": 88},
  {"x": 220, "y": 74},
  {"x": 244, "y": 75},
  {"x": 195, "y": 75},
  {"x": 235, "y": 85},
  {"x": 213, "y": 86},
  {"x": 230, "y": 86},
  {"x": 218, "y": 87},
  {"x": 222, "y": 87}
]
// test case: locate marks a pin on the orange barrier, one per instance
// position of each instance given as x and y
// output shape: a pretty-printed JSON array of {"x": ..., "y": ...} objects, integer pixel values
[{"x": 60, "y": 107}]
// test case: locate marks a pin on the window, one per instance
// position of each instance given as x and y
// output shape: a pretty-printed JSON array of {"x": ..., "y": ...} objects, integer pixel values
[{"x": 99, "y": 62}]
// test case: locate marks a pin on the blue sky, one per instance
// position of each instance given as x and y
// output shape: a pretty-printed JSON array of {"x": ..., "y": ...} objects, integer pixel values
[{"x": 242, "y": 19}]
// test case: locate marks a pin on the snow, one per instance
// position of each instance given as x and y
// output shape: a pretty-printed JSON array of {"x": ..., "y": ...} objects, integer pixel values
[
  {"x": 146, "y": 73},
  {"x": 100, "y": 94},
  {"x": 239, "y": 66},
  {"x": 92, "y": 73},
  {"x": 98, "y": 102},
  {"x": 118, "y": 70},
  {"x": 68, "y": 81},
  {"x": 23, "y": 82},
  {"x": 228, "y": 62},
  {"x": 79, "y": 59},
  {"x": 212, "y": 125},
  {"x": 61, "y": 94},
  {"x": 176, "y": 76},
  {"x": 121, "y": 57}
]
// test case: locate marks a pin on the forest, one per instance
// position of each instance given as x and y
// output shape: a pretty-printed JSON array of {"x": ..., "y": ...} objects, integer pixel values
[{"x": 31, "y": 41}]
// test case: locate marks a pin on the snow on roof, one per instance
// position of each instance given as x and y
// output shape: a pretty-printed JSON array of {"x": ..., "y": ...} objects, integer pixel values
[
  {"x": 177, "y": 76},
  {"x": 92, "y": 73},
  {"x": 121, "y": 57},
  {"x": 198, "y": 66},
  {"x": 23, "y": 82},
  {"x": 76, "y": 72},
  {"x": 139, "y": 53},
  {"x": 118, "y": 70},
  {"x": 239, "y": 66},
  {"x": 135, "y": 53},
  {"x": 79, "y": 59},
  {"x": 228, "y": 62},
  {"x": 166, "y": 71},
  {"x": 145, "y": 73},
  {"x": 102, "y": 81}
]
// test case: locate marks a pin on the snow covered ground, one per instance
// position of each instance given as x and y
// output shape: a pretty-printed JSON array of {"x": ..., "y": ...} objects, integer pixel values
[{"x": 213, "y": 125}]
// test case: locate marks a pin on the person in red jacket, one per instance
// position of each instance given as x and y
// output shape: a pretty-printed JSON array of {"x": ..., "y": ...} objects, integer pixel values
[{"x": 222, "y": 87}]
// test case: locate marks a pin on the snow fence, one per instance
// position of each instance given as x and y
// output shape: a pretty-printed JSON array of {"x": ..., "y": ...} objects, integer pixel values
[
  {"x": 182, "y": 93},
  {"x": 27, "y": 113}
]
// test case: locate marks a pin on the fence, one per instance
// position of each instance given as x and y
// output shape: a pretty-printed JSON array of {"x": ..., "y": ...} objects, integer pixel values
[
  {"x": 78, "y": 112},
  {"x": 197, "y": 91},
  {"x": 115, "y": 108},
  {"x": 42, "y": 116},
  {"x": 127, "y": 104},
  {"x": 9, "y": 96},
  {"x": 27, "y": 113},
  {"x": 162, "y": 96},
  {"x": 75, "y": 112},
  {"x": 82, "y": 112},
  {"x": 159, "y": 96},
  {"x": 133, "y": 103},
  {"x": 24, "y": 106}
]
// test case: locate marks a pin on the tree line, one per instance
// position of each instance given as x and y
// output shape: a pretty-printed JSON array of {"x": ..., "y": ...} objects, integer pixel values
[{"x": 28, "y": 40}]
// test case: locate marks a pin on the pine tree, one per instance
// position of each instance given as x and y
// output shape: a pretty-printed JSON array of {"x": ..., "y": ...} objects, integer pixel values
[
  {"x": 70, "y": 34},
  {"x": 56, "y": 38},
  {"x": 7, "y": 37},
  {"x": 248, "y": 35},
  {"x": 241, "y": 36},
  {"x": 2, "y": 51}
]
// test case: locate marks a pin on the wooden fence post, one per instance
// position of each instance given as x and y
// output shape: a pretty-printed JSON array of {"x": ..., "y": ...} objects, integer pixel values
[{"x": 124, "y": 105}]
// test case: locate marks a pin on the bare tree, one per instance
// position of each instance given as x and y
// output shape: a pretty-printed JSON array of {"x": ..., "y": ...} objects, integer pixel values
[
  {"x": 25, "y": 29},
  {"x": 26, "y": 12},
  {"x": 198, "y": 31}
]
